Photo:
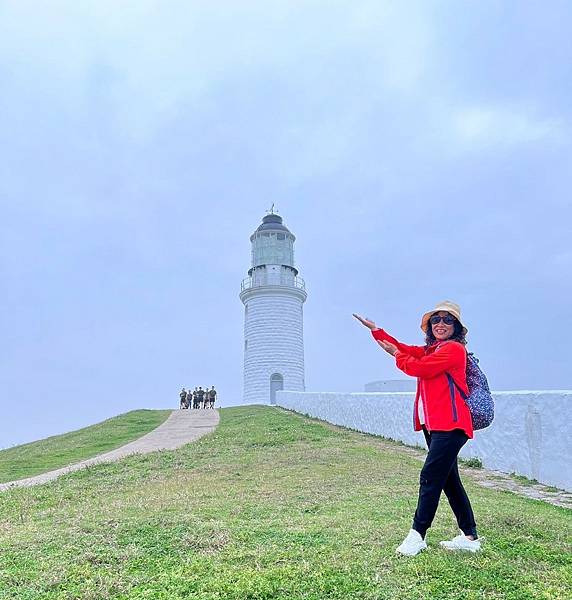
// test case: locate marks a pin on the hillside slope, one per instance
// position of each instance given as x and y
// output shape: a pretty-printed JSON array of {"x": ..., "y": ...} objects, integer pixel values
[
  {"x": 62, "y": 450},
  {"x": 269, "y": 505}
]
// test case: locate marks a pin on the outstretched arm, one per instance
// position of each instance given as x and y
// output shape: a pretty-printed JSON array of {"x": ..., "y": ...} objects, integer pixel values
[
  {"x": 415, "y": 351},
  {"x": 382, "y": 336},
  {"x": 443, "y": 359}
]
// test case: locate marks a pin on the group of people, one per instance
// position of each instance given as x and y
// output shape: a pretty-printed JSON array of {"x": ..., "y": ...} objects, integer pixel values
[{"x": 197, "y": 398}]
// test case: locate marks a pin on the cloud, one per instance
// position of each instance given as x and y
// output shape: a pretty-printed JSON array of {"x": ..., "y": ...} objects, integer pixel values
[
  {"x": 503, "y": 126},
  {"x": 151, "y": 61}
]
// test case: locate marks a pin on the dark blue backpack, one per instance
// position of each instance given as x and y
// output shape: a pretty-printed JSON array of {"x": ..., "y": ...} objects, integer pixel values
[{"x": 480, "y": 400}]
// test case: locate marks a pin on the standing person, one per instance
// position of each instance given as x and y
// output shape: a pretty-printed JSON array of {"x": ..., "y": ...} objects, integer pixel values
[
  {"x": 212, "y": 397},
  {"x": 183, "y": 398},
  {"x": 200, "y": 395},
  {"x": 189, "y": 399},
  {"x": 443, "y": 416},
  {"x": 196, "y": 398}
]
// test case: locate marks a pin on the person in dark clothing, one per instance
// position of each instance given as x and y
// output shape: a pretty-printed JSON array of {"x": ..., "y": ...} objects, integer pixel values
[
  {"x": 212, "y": 396},
  {"x": 201, "y": 396},
  {"x": 183, "y": 398}
]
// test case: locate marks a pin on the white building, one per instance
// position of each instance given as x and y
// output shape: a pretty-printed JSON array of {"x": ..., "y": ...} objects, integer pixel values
[{"x": 273, "y": 296}]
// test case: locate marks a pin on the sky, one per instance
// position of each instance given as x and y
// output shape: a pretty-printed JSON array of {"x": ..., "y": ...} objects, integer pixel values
[{"x": 419, "y": 151}]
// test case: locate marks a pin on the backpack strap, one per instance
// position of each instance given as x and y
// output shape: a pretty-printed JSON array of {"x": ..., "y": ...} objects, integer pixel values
[
  {"x": 452, "y": 383},
  {"x": 452, "y": 393}
]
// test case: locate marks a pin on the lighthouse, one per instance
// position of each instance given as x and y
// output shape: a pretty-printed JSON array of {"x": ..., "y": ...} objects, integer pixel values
[{"x": 273, "y": 296}]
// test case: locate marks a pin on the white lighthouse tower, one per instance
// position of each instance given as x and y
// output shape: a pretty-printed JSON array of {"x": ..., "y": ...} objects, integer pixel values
[{"x": 273, "y": 296}]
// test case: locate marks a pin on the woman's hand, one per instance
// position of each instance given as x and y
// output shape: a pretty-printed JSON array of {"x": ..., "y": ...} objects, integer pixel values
[
  {"x": 369, "y": 324},
  {"x": 388, "y": 347}
]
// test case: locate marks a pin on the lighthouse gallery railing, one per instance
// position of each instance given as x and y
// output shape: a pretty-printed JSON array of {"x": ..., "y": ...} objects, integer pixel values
[{"x": 264, "y": 280}]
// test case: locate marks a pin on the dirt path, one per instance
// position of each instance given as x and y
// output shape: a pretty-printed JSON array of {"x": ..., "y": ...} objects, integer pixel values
[
  {"x": 180, "y": 428},
  {"x": 498, "y": 480}
]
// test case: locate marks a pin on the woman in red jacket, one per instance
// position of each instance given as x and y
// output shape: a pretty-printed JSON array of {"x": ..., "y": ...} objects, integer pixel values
[{"x": 443, "y": 416}]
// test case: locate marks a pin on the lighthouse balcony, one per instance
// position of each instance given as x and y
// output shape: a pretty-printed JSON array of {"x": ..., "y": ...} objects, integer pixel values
[{"x": 272, "y": 279}]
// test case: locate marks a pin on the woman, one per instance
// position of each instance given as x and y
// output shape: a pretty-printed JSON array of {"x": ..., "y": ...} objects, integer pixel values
[{"x": 442, "y": 415}]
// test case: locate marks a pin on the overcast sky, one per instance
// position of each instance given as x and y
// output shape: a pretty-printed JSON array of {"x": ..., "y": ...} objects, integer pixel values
[{"x": 419, "y": 151}]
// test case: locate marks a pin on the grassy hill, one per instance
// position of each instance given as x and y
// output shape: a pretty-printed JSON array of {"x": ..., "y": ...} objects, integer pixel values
[
  {"x": 62, "y": 450},
  {"x": 270, "y": 505}
]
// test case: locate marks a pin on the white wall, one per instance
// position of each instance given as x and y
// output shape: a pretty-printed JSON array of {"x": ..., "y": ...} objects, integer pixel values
[
  {"x": 274, "y": 340},
  {"x": 529, "y": 436},
  {"x": 391, "y": 385}
]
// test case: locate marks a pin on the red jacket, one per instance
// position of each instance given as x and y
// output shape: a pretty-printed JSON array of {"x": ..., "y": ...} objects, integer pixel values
[{"x": 443, "y": 407}]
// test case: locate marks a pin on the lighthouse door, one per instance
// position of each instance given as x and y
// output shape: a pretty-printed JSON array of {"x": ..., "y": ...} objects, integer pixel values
[{"x": 276, "y": 384}]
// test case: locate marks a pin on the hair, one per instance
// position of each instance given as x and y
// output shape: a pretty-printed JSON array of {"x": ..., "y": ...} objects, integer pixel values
[{"x": 458, "y": 335}]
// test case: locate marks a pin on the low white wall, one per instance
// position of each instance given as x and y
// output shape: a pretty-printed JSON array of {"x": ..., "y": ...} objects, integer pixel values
[
  {"x": 391, "y": 385},
  {"x": 529, "y": 436}
]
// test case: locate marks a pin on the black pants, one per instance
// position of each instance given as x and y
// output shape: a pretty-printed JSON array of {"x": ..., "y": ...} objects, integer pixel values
[{"x": 441, "y": 473}]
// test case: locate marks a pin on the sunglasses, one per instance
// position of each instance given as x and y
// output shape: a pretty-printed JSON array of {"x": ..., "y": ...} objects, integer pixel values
[{"x": 448, "y": 320}]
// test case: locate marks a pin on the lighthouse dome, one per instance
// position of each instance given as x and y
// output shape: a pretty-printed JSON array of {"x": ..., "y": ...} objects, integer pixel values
[{"x": 272, "y": 222}]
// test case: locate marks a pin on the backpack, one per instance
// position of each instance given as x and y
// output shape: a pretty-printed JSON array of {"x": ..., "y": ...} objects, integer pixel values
[{"x": 480, "y": 400}]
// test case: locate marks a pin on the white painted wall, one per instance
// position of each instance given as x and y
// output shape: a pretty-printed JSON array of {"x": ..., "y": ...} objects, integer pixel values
[
  {"x": 529, "y": 436},
  {"x": 273, "y": 340},
  {"x": 391, "y": 385}
]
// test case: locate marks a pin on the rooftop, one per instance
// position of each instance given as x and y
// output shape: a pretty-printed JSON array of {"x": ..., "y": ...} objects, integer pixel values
[{"x": 272, "y": 222}]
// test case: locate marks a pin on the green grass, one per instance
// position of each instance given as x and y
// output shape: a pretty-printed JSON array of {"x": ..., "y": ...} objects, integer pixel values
[
  {"x": 524, "y": 480},
  {"x": 62, "y": 450},
  {"x": 471, "y": 463},
  {"x": 271, "y": 505}
]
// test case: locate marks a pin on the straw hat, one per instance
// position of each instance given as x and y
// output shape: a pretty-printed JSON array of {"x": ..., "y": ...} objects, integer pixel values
[{"x": 450, "y": 307}]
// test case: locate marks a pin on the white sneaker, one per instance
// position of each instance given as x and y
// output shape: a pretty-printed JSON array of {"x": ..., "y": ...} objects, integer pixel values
[
  {"x": 412, "y": 544},
  {"x": 462, "y": 542}
]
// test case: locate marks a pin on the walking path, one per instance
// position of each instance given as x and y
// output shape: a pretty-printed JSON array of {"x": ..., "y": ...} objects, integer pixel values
[
  {"x": 497, "y": 480},
  {"x": 180, "y": 428},
  {"x": 503, "y": 481}
]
